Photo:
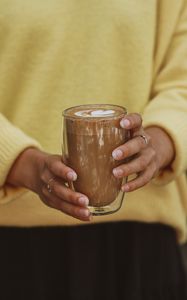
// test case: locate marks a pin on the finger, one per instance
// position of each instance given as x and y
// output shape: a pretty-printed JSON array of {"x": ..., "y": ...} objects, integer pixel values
[
  {"x": 142, "y": 179},
  {"x": 59, "y": 169},
  {"x": 131, "y": 121},
  {"x": 136, "y": 165},
  {"x": 75, "y": 211},
  {"x": 63, "y": 192},
  {"x": 133, "y": 146}
]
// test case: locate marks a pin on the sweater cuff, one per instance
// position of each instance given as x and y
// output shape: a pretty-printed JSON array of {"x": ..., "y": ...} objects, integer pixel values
[
  {"x": 13, "y": 141},
  {"x": 175, "y": 125}
]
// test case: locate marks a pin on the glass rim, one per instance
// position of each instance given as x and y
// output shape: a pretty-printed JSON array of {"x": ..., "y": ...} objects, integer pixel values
[{"x": 65, "y": 112}]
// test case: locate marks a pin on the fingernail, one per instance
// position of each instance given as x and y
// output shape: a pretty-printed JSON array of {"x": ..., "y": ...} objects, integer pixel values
[
  {"x": 118, "y": 172},
  {"x": 83, "y": 201},
  {"x": 72, "y": 176},
  {"x": 117, "y": 154},
  {"x": 125, "y": 188},
  {"x": 84, "y": 213},
  {"x": 125, "y": 123}
]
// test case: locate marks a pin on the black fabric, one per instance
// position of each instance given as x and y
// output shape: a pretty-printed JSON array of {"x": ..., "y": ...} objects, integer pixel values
[{"x": 125, "y": 260}]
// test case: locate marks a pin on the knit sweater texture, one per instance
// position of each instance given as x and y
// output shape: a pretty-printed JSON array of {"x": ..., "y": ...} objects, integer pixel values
[{"x": 61, "y": 53}]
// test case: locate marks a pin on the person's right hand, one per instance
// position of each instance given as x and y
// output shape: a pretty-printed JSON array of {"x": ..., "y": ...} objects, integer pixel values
[{"x": 47, "y": 176}]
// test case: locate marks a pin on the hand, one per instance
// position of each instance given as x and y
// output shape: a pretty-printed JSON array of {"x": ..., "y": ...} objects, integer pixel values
[
  {"x": 150, "y": 150},
  {"x": 35, "y": 170}
]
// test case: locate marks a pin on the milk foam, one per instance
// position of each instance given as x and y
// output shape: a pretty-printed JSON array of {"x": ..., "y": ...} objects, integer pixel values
[{"x": 95, "y": 113}]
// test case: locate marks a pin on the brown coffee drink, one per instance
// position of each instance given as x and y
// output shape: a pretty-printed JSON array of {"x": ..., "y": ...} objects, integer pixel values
[{"x": 92, "y": 132}]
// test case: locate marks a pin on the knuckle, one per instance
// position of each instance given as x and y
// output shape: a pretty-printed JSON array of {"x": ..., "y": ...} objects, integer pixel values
[
  {"x": 143, "y": 163},
  {"x": 154, "y": 167},
  {"x": 155, "y": 170},
  {"x": 49, "y": 161},
  {"x": 43, "y": 177},
  {"x": 62, "y": 169},
  {"x": 133, "y": 122},
  {"x": 146, "y": 178},
  {"x": 54, "y": 167},
  {"x": 153, "y": 152},
  {"x": 56, "y": 189},
  {"x": 137, "y": 119},
  {"x": 149, "y": 139},
  {"x": 76, "y": 211},
  {"x": 127, "y": 149},
  {"x": 140, "y": 183},
  {"x": 141, "y": 142},
  {"x": 72, "y": 211},
  {"x": 126, "y": 170},
  {"x": 132, "y": 185},
  {"x": 71, "y": 197}
]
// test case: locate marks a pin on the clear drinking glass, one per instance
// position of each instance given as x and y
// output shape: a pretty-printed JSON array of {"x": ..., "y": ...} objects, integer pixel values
[{"x": 90, "y": 134}]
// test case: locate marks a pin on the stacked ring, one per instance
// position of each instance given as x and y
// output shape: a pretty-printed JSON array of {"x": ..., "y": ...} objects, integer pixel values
[
  {"x": 49, "y": 185},
  {"x": 144, "y": 138}
]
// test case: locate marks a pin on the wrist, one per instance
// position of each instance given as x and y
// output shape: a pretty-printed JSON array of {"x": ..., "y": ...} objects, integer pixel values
[
  {"x": 26, "y": 169},
  {"x": 163, "y": 145}
]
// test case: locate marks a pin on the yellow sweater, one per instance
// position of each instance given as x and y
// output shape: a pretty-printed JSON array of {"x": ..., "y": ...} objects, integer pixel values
[{"x": 60, "y": 53}]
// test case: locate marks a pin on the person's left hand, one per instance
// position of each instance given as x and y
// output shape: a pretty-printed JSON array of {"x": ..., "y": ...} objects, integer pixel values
[{"x": 145, "y": 161}]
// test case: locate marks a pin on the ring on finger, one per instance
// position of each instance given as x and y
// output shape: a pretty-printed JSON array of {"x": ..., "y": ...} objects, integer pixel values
[
  {"x": 144, "y": 138},
  {"x": 49, "y": 187}
]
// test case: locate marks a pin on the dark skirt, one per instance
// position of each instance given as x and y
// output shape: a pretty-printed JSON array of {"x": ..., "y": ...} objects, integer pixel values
[{"x": 124, "y": 260}]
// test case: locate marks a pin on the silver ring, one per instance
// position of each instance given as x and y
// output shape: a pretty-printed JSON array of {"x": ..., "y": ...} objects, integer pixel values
[
  {"x": 144, "y": 138},
  {"x": 48, "y": 184}
]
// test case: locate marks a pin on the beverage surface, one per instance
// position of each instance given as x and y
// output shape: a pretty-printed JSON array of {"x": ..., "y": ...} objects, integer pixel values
[{"x": 94, "y": 112}]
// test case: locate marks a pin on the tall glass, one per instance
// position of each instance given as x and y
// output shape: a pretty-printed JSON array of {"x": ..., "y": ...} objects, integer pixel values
[{"x": 90, "y": 134}]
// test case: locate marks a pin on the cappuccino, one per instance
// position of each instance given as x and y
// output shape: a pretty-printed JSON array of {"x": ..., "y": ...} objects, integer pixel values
[{"x": 91, "y": 133}]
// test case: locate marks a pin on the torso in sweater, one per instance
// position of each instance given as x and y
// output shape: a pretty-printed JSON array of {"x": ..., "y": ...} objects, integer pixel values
[{"x": 56, "y": 54}]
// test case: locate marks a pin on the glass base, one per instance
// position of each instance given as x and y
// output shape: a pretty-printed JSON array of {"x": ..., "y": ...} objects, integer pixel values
[{"x": 103, "y": 210}]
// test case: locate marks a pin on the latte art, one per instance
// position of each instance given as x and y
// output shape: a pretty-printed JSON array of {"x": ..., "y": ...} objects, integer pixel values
[{"x": 95, "y": 113}]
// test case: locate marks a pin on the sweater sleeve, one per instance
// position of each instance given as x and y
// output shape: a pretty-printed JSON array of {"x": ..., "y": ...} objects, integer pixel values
[
  {"x": 12, "y": 142},
  {"x": 168, "y": 107}
]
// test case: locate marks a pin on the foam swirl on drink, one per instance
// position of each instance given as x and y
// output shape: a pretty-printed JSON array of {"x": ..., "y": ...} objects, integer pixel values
[{"x": 95, "y": 113}]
